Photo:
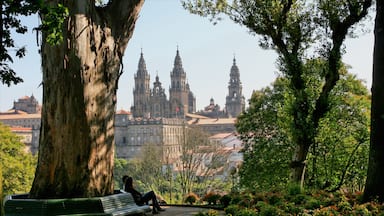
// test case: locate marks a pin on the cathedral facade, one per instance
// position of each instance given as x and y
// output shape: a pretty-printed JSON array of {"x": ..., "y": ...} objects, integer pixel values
[{"x": 153, "y": 103}]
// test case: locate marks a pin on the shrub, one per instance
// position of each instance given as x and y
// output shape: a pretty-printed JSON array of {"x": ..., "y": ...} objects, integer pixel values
[
  {"x": 246, "y": 212},
  {"x": 312, "y": 203},
  {"x": 225, "y": 200},
  {"x": 294, "y": 189},
  {"x": 292, "y": 209},
  {"x": 210, "y": 212},
  {"x": 299, "y": 198},
  {"x": 231, "y": 210},
  {"x": 191, "y": 198},
  {"x": 344, "y": 206},
  {"x": 275, "y": 199},
  {"x": 211, "y": 198}
]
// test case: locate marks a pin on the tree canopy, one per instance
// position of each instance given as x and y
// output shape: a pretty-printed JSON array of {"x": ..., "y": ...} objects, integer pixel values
[
  {"x": 290, "y": 28},
  {"x": 339, "y": 155},
  {"x": 17, "y": 164},
  {"x": 11, "y": 12}
]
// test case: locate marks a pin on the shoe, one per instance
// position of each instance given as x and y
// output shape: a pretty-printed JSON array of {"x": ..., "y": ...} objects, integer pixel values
[
  {"x": 155, "y": 212},
  {"x": 160, "y": 209}
]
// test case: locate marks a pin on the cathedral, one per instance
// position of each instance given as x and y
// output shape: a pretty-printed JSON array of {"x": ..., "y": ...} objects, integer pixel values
[{"x": 153, "y": 103}]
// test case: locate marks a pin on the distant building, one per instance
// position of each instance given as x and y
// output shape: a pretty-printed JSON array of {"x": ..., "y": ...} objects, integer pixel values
[
  {"x": 153, "y": 103},
  {"x": 220, "y": 158},
  {"x": 24, "y": 124},
  {"x": 214, "y": 125},
  {"x": 235, "y": 101},
  {"x": 165, "y": 133},
  {"x": 212, "y": 111},
  {"x": 27, "y": 104}
]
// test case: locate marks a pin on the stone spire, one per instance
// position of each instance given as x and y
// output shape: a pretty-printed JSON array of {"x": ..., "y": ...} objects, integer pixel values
[
  {"x": 142, "y": 67},
  {"x": 178, "y": 65}
]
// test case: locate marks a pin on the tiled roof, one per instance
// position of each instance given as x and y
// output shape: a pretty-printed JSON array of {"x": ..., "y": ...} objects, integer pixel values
[
  {"x": 123, "y": 112},
  {"x": 212, "y": 121},
  {"x": 195, "y": 116},
  {"x": 20, "y": 116},
  {"x": 21, "y": 129},
  {"x": 220, "y": 136}
]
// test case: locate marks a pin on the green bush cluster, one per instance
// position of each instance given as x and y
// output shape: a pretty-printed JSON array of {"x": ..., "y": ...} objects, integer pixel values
[
  {"x": 191, "y": 198},
  {"x": 210, "y": 212},
  {"x": 294, "y": 202},
  {"x": 211, "y": 198}
]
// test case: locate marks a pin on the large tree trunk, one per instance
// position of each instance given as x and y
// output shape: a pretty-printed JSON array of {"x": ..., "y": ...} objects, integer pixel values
[
  {"x": 374, "y": 186},
  {"x": 80, "y": 78}
]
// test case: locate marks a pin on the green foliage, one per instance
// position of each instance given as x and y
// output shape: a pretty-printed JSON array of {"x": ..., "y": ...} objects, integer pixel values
[
  {"x": 235, "y": 210},
  {"x": 1, "y": 190},
  {"x": 291, "y": 28},
  {"x": 191, "y": 198},
  {"x": 211, "y": 198},
  {"x": 145, "y": 170},
  {"x": 18, "y": 166},
  {"x": 53, "y": 22},
  {"x": 267, "y": 147},
  {"x": 339, "y": 156},
  {"x": 210, "y": 212},
  {"x": 311, "y": 203},
  {"x": 294, "y": 189},
  {"x": 225, "y": 200},
  {"x": 11, "y": 13}
]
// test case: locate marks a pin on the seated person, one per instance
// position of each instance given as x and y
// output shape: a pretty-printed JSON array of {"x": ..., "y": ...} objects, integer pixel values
[{"x": 139, "y": 198}]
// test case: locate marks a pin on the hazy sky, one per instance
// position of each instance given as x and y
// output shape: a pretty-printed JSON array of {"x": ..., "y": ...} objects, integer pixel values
[{"x": 206, "y": 50}]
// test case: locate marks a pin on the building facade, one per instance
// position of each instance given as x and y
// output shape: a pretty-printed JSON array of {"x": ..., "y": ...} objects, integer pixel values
[
  {"x": 25, "y": 125},
  {"x": 131, "y": 135},
  {"x": 153, "y": 103}
]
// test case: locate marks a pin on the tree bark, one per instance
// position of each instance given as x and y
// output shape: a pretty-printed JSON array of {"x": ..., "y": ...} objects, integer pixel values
[
  {"x": 80, "y": 78},
  {"x": 374, "y": 187}
]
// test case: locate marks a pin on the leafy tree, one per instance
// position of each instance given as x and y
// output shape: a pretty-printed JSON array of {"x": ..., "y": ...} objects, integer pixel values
[
  {"x": 11, "y": 11},
  {"x": 190, "y": 160},
  {"x": 16, "y": 164},
  {"x": 374, "y": 188},
  {"x": 291, "y": 27},
  {"x": 145, "y": 169},
  {"x": 80, "y": 77},
  {"x": 339, "y": 155},
  {"x": 267, "y": 149}
]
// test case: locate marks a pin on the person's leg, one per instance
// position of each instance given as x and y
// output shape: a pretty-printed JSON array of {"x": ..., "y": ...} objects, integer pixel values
[{"x": 152, "y": 196}]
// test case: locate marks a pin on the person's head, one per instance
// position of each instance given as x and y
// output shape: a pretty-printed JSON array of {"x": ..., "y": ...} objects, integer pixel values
[{"x": 124, "y": 178}]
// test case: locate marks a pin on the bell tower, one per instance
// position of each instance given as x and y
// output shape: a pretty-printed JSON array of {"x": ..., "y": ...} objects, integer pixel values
[
  {"x": 235, "y": 101},
  {"x": 179, "y": 90},
  {"x": 141, "y": 91}
]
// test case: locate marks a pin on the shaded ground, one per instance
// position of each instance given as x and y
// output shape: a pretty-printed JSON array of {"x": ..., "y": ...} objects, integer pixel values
[{"x": 183, "y": 211}]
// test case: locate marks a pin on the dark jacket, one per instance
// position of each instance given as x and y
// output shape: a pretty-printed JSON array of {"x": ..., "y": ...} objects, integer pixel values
[{"x": 137, "y": 196}]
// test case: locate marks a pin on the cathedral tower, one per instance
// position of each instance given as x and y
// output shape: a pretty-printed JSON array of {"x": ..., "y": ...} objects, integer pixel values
[
  {"x": 141, "y": 92},
  {"x": 235, "y": 101},
  {"x": 179, "y": 93},
  {"x": 159, "y": 103}
]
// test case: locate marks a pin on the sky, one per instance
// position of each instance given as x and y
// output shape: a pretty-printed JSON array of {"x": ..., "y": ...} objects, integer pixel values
[{"x": 206, "y": 50}]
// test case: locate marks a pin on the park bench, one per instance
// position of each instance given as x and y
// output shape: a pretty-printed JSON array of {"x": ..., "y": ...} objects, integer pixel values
[{"x": 112, "y": 205}]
